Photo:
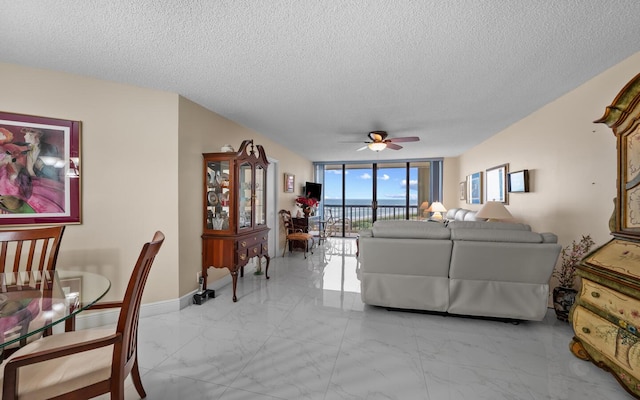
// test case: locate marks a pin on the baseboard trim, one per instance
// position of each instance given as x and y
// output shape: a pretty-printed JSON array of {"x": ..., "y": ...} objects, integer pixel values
[{"x": 95, "y": 319}]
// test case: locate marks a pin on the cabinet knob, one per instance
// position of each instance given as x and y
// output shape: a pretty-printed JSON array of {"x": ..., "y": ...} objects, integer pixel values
[
  {"x": 255, "y": 251},
  {"x": 586, "y": 330},
  {"x": 243, "y": 257},
  {"x": 243, "y": 244},
  {"x": 595, "y": 294}
]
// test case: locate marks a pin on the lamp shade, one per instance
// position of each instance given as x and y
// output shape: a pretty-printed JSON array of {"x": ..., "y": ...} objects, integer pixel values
[
  {"x": 494, "y": 210},
  {"x": 438, "y": 207},
  {"x": 425, "y": 209},
  {"x": 377, "y": 146}
]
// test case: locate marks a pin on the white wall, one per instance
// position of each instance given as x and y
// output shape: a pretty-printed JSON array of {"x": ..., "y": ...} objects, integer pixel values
[
  {"x": 572, "y": 161},
  {"x": 141, "y": 171}
]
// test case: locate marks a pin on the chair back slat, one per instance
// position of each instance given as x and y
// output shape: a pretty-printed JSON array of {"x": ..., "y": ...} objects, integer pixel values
[
  {"x": 125, "y": 352},
  {"x": 16, "y": 257},
  {"x": 30, "y": 250},
  {"x": 3, "y": 253}
]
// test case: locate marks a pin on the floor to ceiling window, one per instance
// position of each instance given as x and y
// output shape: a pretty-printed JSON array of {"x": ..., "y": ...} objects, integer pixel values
[{"x": 357, "y": 194}]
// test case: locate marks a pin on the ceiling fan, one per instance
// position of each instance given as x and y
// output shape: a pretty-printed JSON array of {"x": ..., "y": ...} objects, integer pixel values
[{"x": 380, "y": 142}]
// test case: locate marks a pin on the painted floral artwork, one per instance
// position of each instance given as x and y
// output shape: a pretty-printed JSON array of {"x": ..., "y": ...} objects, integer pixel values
[{"x": 38, "y": 170}]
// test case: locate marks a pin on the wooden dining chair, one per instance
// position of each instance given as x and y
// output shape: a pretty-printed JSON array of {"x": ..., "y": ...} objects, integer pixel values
[
  {"x": 295, "y": 235},
  {"x": 27, "y": 251},
  {"x": 86, "y": 363}
]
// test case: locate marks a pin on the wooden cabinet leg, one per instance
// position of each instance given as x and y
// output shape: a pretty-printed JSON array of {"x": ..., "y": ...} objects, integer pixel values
[
  {"x": 234, "y": 279},
  {"x": 266, "y": 269}
]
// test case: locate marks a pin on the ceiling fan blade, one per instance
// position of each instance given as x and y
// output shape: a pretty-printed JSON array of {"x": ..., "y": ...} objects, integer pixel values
[
  {"x": 405, "y": 139},
  {"x": 377, "y": 136},
  {"x": 362, "y": 148},
  {"x": 393, "y": 146}
]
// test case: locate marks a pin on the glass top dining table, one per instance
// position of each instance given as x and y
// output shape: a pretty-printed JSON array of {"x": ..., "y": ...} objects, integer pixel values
[{"x": 32, "y": 302}]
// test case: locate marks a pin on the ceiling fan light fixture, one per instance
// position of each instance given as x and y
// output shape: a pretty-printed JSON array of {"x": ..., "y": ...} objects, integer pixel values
[{"x": 377, "y": 146}]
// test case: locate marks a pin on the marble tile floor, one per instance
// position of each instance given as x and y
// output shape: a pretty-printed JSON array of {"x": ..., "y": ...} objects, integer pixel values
[{"x": 305, "y": 334}]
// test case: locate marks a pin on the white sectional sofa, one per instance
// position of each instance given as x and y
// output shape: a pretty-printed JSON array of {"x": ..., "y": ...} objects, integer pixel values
[{"x": 489, "y": 269}]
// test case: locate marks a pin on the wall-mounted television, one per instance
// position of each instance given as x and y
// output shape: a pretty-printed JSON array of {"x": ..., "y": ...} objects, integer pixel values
[
  {"x": 518, "y": 181},
  {"x": 313, "y": 190}
]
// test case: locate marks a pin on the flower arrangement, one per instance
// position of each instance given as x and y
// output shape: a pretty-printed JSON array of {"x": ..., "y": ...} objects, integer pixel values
[
  {"x": 306, "y": 202},
  {"x": 570, "y": 257}
]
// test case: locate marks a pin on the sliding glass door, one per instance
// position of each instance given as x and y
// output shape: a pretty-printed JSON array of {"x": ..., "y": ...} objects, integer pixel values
[{"x": 357, "y": 194}]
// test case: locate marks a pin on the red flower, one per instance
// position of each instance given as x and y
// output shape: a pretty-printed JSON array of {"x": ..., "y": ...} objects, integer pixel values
[{"x": 303, "y": 202}]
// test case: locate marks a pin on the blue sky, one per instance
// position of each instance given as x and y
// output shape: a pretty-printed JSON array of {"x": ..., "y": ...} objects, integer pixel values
[{"x": 359, "y": 183}]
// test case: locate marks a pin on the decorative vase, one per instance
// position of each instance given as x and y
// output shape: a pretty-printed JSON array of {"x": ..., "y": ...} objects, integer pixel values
[
  {"x": 563, "y": 299},
  {"x": 306, "y": 211}
]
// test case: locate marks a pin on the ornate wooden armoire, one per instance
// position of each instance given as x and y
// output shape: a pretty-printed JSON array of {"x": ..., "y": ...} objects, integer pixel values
[{"x": 606, "y": 315}]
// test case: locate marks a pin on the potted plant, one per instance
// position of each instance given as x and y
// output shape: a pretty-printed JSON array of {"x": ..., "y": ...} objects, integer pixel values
[{"x": 564, "y": 295}]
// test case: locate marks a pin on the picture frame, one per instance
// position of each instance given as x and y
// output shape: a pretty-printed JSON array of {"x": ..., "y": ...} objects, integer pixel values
[
  {"x": 518, "y": 181},
  {"x": 496, "y": 184},
  {"x": 289, "y": 183},
  {"x": 463, "y": 190},
  {"x": 40, "y": 183},
  {"x": 474, "y": 188}
]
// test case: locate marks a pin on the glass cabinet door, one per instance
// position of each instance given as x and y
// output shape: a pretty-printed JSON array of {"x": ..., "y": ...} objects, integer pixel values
[
  {"x": 218, "y": 199},
  {"x": 245, "y": 186},
  {"x": 260, "y": 209}
]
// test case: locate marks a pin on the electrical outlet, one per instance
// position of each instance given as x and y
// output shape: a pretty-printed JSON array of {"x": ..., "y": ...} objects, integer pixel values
[{"x": 198, "y": 275}]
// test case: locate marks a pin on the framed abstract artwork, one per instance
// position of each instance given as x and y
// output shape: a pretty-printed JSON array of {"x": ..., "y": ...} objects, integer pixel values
[
  {"x": 463, "y": 190},
  {"x": 496, "y": 184},
  {"x": 474, "y": 188},
  {"x": 39, "y": 170}
]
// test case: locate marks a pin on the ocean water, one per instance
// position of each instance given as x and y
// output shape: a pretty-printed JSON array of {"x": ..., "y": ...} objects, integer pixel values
[
  {"x": 360, "y": 209},
  {"x": 366, "y": 202}
]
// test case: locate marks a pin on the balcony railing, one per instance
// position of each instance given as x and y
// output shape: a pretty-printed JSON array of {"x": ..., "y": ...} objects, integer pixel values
[{"x": 357, "y": 217}]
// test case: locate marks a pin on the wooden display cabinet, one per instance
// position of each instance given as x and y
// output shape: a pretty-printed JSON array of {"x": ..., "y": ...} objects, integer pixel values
[
  {"x": 606, "y": 314},
  {"x": 235, "y": 210}
]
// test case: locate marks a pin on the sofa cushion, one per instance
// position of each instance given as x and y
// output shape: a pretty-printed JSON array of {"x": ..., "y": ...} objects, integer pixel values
[
  {"x": 460, "y": 214},
  {"x": 451, "y": 213},
  {"x": 471, "y": 216},
  {"x": 488, "y": 225},
  {"x": 410, "y": 229},
  {"x": 496, "y": 235}
]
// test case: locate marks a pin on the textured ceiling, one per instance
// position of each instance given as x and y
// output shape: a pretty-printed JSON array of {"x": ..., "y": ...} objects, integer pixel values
[{"x": 312, "y": 75}]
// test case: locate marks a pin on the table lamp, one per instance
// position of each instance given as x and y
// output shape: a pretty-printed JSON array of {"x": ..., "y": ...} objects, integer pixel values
[
  {"x": 437, "y": 208},
  {"x": 425, "y": 209},
  {"x": 494, "y": 211}
]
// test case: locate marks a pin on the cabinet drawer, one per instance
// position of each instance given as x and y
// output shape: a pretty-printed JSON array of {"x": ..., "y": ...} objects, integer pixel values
[
  {"x": 242, "y": 257},
  {"x": 615, "y": 343},
  {"x": 611, "y": 302},
  {"x": 255, "y": 251},
  {"x": 251, "y": 246}
]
